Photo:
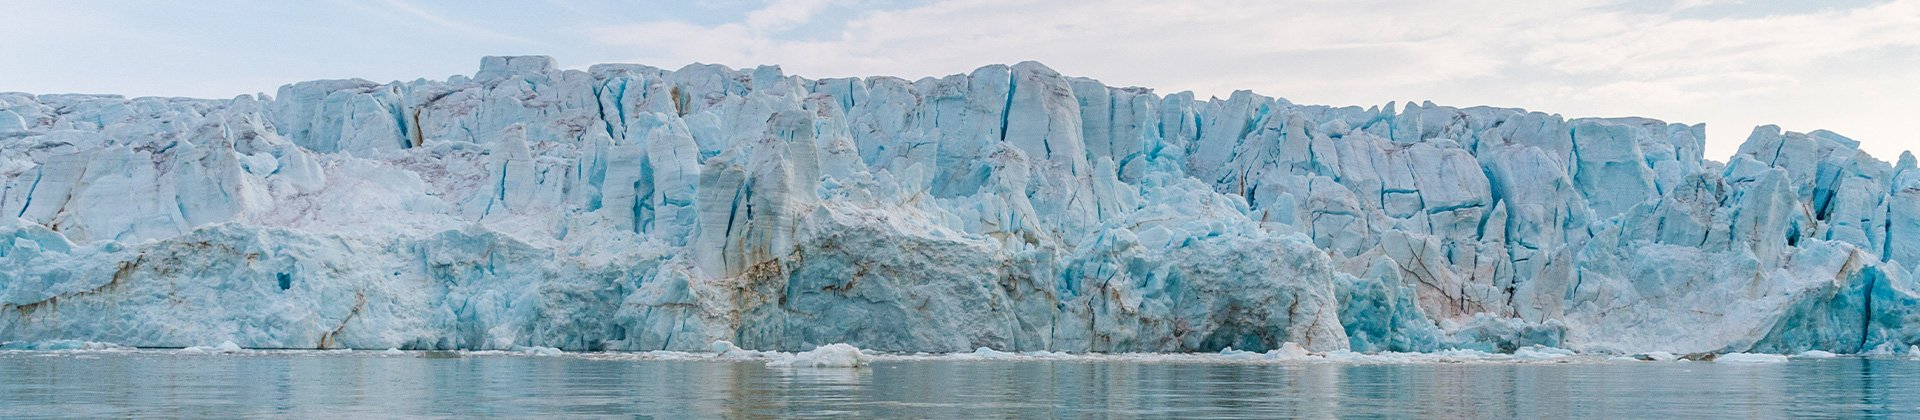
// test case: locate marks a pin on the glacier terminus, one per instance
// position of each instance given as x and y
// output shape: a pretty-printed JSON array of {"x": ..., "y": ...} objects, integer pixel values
[{"x": 628, "y": 208}]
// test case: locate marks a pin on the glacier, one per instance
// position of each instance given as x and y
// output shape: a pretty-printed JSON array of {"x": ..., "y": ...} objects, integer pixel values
[{"x": 628, "y": 207}]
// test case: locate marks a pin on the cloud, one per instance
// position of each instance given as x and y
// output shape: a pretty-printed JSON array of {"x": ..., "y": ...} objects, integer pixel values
[
  {"x": 1163, "y": 39},
  {"x": 1687, "y": 60},
  {"x": 784, "y": 14},
  {"x": 451, "y": 24},
  {"x": 1658, "y": 46},
  {"x": 1843, "y": 65}
]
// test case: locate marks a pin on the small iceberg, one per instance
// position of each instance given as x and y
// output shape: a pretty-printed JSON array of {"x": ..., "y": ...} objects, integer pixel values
[
  {"x": 1287, "y": 351},
  {"x": 1539, "y": 352},
  {"x": 227, "y": 347},
  {"x": 1657, "y": 356},
  {"x": 837, "y": 355},
  {"x": 1231, "y": 354},
  {"x": 538, "y": 351},
  {"x": 1816, "y": 354},
  {"x": 726, "y": 350},
  {"x": 1750, "y": 358},
  {"x": 988, "y": 353}
]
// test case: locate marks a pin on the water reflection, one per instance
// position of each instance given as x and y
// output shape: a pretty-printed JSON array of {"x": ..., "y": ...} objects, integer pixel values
[{"x": 362, "y": 385}]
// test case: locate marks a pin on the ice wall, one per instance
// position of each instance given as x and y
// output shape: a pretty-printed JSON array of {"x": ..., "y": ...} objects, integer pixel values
[{"x": 633, "y": 208}]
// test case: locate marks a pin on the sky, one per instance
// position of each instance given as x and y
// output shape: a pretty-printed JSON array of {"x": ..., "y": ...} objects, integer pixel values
[{"x": 1850, "y": 66}]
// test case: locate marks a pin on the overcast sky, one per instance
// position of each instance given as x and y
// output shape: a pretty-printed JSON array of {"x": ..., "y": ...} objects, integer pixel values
[{"x": 1851, "y": 66}]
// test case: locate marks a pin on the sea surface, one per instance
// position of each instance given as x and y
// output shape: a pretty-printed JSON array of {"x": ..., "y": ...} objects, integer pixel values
[{"x": 362, "y": 384}]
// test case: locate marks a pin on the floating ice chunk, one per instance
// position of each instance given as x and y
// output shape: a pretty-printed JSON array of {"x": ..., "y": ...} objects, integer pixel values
[
  {"x": 1816, "y": 354},
  {"x": 1231, "y": 354},
  {"x": 538, "y": 351},
  {"x": 393, "y": 352},
  {"x": 1750, "y": 358},
  {"x": 837, "y": 355},
  {"x": 1289, "y": 350},
  {"x": 1464, "y": 354},
  {"x": 224, "y": 347},
  {"x": 1345, "y": 356},
  {"x": 1884, "y": 349},
  {"x": 58, "y": 345},
  {"x": 1657, "y": 356},
  {"x": 726, "y": 350},
  {"x": 1538, "y": 352},
  {"x": 1443, "y": 356},
  {"x": 990, "y": 353}
]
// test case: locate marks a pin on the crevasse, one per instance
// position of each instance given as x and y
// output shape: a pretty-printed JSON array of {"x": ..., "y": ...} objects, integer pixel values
[{"x": 633, "y": 208}]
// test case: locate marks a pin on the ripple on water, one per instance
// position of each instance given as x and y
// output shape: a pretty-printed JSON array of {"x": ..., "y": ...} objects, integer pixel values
[{"x": 121, "y": 383}]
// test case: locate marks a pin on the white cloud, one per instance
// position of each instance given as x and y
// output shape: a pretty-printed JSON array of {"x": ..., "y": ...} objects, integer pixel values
[
  {"x": 1580, "y": 57},
  {"x": 450, "y": 24},
  {"x": 1657, "y": 46},
  {"x": 1730, "y": 63},
  {"x": 783, "y": 14}
]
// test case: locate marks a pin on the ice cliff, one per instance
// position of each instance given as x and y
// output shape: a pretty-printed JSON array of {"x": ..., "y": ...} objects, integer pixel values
[{"x": 633, "y": 208}]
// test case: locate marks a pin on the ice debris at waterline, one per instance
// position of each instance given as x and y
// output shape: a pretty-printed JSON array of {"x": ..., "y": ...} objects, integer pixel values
[
  {"x": 841, "y": 355},
  {"x": 633, "y": 208},
  {"x": 837, "y": 355},
  {"x": 224, "y": 347}
]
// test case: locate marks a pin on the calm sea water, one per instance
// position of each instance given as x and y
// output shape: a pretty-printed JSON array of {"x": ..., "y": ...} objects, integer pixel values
[{"x": 363, "y": 385}]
